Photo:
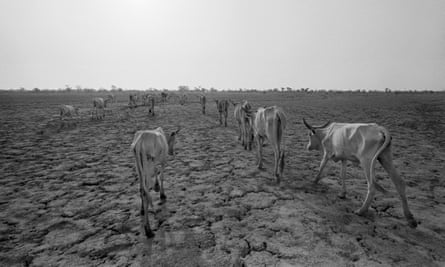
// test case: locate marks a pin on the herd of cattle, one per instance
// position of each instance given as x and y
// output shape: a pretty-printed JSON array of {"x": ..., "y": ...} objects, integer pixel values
[{"x": 363, "y": 144}]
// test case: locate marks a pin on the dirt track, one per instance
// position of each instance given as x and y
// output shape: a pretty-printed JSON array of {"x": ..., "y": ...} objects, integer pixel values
[{"x": 71, "y": 196}]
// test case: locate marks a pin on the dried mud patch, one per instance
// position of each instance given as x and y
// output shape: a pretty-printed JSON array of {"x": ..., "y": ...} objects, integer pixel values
[{"x": 69, "y": 191}]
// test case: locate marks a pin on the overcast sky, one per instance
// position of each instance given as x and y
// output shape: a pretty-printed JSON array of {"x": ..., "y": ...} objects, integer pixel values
[{"x": 341, "y": 44}]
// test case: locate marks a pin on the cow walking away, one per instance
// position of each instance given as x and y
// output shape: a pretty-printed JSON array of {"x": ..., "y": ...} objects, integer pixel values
[
  {"x": 150, "y": 149},
  {"x": 202, "y": 101},
  {"x": 360, "y": 143},
  {"x": 270, "y": 123},
  {"x": 164, "y": 97},
  {"x": 151, "y": 105},
  {"x": 99, "y": 104},
  {"x": 243, "y": 113},
  {"x": 222, "y": 106},
  {"x": 133, "y": 98}
]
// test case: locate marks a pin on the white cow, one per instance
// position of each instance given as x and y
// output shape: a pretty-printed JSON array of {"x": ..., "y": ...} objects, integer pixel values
[
  {"x": 150, "y": 149},
  {"x": 99, "y": 103},
  {"x": 270, "y": 123},
  {"x": 360, "y": 143},
  {"x": 68, "y": 111},
  {"x": 242, "y": 113},
  {"x": 111, "y": 98}
]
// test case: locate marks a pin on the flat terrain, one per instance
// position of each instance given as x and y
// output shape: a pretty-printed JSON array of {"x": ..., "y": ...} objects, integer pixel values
[{"x": 69, "y": 192}]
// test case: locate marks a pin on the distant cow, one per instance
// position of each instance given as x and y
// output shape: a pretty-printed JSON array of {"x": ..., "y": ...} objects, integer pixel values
[
  {"x": 222, "y": 106},
  {"x": 150, "y": 149},
  {"x": 111, "y": 98},
  {"x": 360, "y": 143},
  {"x": 182, "y": 99},
  {"x": 133, "y": 98},
  {"x": 242, "y": 113},
  {"x": 164, "y": 97},
  {"x": 99, "y": 104},
  {"x": 68, "y": 111},
  {"x": 151, "y": 105},
  {"x": 202, "y": 101}
]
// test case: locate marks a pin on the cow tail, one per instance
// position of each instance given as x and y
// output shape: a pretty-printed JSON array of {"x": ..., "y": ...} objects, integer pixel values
[
  {"x": 281, "y": 124},
  {"x": 385, "y": 144}
]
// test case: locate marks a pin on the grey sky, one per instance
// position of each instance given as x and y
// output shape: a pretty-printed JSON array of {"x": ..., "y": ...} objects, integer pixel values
[{"x": 342, "y": 44}]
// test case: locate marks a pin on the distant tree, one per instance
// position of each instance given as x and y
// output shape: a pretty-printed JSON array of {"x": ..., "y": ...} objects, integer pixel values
[
  {"x": 213, "y": 90},
  {"x": 387, "y": 90},
  {"x": 68, "y": 88},
  {"x": 36, "y": 90},
  {"x": 113, "y": 87}
]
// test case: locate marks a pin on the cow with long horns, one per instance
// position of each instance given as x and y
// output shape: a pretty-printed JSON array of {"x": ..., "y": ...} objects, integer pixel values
[{"x": 360, "y": 143}]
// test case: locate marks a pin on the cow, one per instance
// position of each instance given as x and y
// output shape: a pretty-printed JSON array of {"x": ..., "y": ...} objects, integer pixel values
[
  {"x": 150, "y": 101},
  {"x": 150, "y": 149},
  {"x": 99, "y": 103},
  {"x": 243, "y": 113},
  {"x": 111, "y": 98},
  {"x": 164, "y": 97},
  {"x": 222, "y": 106},
  {"x": 202, "y": 101},
  {"x": 133, "y": 98},
  {"x": 362, "y": 144},
  {"x": 270, "y": 123},
  {"x": 182, "y": 99},
  {"x": 68, "y": 111}
]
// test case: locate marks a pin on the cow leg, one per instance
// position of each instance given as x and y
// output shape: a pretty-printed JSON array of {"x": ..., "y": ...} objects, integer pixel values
[
  {"x": 281, "y": 161},
  {"x": 343, "y": 179},
  {"x": 366, "y": 164},
  {"x": 385, "y": 159},
  {"x": 146, "y": 201},
  {"x": 240, "y": 133},
  {"x": 225, "y": 119},
  {"x": 276, "y": 153},
  {"x": 161, "y": 176},
  {"x": 141, "y": 190},
  {"x": 259, "y": 154},
  {"x": 323, "y": 163}
]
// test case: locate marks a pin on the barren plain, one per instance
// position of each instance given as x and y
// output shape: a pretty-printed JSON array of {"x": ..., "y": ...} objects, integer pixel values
[{"x": 69, "y": 192}]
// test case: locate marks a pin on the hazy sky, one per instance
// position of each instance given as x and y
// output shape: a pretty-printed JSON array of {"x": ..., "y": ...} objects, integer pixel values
[{"x": 341, "y": 44}]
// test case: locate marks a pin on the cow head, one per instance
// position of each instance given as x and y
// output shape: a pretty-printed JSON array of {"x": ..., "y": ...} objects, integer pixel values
[
  {"x": 76, "y": 110},
  {"x": 171, "y": 141},
  {"x": 314, "y": 138}
]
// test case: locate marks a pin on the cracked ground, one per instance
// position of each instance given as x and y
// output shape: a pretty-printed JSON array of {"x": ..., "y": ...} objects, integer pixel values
[{"x": 69, "y": 192}]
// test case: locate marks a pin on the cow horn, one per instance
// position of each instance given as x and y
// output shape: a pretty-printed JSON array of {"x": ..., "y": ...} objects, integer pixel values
[
  {"x": 323, "y": 126},
  {"x": 179, "y": 128},
  {"x": 307, "y": 125}
]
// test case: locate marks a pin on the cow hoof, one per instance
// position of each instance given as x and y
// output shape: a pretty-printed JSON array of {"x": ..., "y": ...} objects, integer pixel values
[
  {"x": 149, "y": 233},
  {"x": 342, "y": 195},
  {"x": 156, "y": 187},
  {"x": 412, "y": 222},
  {"x": 163, "y": 197},
  {"x": 360, "y": 212}
]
